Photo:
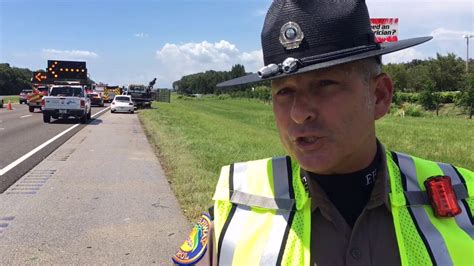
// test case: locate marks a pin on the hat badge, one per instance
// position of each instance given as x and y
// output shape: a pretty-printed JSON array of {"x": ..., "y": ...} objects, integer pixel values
[{"x": 291, "y": 35}]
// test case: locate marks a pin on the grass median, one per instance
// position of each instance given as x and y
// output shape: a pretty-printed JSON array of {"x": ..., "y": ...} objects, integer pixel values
[
  {"x": 195, "y": 137},
  {"x": 12, "y": 98}
]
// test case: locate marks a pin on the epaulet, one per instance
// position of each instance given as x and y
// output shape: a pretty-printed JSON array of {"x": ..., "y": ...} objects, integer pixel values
[{"x": 195, "y": 245}]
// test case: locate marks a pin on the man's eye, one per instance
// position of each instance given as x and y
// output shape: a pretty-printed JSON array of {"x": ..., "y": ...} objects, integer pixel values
[
  {"x": 326, "y": 82},
  {"x": 283, "y": 91}
]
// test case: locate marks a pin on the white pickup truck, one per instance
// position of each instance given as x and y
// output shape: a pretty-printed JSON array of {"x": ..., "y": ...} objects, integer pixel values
[{"x": 66, "y": 101}]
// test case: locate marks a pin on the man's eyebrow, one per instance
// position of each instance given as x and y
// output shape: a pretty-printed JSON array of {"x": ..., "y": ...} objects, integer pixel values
[{"x": 277, "y": 83}]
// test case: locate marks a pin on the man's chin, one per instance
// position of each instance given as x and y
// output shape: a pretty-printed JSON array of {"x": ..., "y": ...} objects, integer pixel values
[{"x": 314, "y": 163}]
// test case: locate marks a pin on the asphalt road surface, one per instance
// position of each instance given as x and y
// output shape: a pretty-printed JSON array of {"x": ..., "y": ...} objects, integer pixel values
[
  {"x": 21, "y": 132},
  {"x": 99, "y": 198}
]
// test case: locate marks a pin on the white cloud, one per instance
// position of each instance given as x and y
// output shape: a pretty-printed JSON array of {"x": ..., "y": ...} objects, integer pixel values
[
  {"x": 177, "y": 60},
  {"x": 403, "y": 56},
  {"x": 445, "y": 34},
  {"x": 67, "y": 54},
  {"x": 141, "y": 35}
]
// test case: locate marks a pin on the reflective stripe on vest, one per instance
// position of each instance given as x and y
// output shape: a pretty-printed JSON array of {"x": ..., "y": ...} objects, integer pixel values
[
  {"x": 447, "y": 240},
  {"x": 243, "y": 190},
  {"x": 269, "y": 225}
]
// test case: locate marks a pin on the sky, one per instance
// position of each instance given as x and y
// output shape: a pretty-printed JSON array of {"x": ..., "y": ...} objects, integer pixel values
[{"x": 134, "y": 41}]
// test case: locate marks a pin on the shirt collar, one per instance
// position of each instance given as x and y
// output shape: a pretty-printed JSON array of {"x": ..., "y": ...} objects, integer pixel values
[
  {"x": 379, "y": 195},
  {"x": 380, "y": 192}
]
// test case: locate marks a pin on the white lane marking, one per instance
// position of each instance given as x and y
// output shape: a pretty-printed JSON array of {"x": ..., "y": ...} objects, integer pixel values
[
  {"x": 103, "y": 111},
  {"x": 1, "y": 128},
  {"x": 35, "y": 150},
  {"x": 25, "y": 116}
]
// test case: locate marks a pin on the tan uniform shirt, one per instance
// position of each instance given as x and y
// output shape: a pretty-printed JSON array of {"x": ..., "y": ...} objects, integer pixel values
[{"x": 372, "y": 241}]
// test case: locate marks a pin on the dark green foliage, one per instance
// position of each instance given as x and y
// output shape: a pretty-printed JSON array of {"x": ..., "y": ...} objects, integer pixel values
[
  {"x": 13, "y": 79},
  {"x": 449, "y": 96},
  {"x": 262, "y": 93},
  {"x": 444, "y": 73},
  {"x": 433, "y": 82},
  {"x": 205, "y": 82},
  {"x": 429, "y": 99},
  {"x": 466, "y": 97},
  {"x": 399, "y": 74},
  {"x": 405, "y": 97}
]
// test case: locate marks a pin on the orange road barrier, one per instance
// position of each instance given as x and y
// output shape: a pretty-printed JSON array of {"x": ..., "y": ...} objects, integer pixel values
[{"x": 9, "y": 106}]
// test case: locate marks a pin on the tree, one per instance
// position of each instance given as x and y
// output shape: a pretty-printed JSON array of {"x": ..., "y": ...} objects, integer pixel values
[
  {"x": 399, "y": 75},
  {"x": 446, "y": 72},
  {"x": 13, "y": 80},
  {"x": 466, "y": 99},
  {"x": 429, "y": 99},
  {"x": 237, "y": 71},
  {"x": 205, "y": 82},
  {"x": 418, "y": 77}
]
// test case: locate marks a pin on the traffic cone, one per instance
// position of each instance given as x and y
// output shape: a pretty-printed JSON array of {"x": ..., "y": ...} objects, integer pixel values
[{"x": 9, "y": 106}]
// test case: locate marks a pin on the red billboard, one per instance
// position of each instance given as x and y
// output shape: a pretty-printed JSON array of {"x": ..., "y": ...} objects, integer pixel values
[{"x": 385, "y": 29}]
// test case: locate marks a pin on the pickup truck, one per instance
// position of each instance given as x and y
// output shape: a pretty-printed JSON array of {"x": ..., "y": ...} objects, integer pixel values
[{"x": 65, "y": 101}]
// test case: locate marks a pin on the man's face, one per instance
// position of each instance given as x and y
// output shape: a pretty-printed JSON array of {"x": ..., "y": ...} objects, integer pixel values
[{"x": 326, "y": 119}]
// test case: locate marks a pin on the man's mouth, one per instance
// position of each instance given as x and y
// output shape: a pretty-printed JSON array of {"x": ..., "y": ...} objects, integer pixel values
[{"x": 306, "y": 140}]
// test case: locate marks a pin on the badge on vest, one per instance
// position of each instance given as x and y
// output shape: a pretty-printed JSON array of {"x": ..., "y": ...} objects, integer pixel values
[
  {"x": 442, "y": 196},
  {"x": 195, "y": 246}
]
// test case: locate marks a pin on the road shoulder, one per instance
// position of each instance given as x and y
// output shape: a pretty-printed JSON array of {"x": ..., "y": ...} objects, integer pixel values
[{"x": 102, "y": 197}]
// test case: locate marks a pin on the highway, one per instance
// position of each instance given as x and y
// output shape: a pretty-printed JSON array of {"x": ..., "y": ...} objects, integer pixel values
[
  {"x": 101, "y": 197},
  {"x": 21, "y": 132}
]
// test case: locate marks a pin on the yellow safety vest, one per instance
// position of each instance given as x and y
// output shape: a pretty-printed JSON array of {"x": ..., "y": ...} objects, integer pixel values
[{"x": 262, "y": 213}]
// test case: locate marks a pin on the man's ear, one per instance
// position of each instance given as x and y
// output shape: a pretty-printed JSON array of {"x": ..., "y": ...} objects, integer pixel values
[{"x": 383, "y": 95}]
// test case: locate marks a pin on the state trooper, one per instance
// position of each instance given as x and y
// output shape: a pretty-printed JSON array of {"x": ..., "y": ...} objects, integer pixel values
[{"x": 340, "y": 197}]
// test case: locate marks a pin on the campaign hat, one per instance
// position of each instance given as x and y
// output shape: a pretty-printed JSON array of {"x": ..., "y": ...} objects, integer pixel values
[{"x": 304, "y": 35}]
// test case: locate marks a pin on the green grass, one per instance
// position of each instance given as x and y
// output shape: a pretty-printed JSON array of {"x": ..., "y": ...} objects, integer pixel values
[
  {"x": 12, "y": 98},
  {"x": 443, "y": 139},
  {"x": 195, "y": 137}
]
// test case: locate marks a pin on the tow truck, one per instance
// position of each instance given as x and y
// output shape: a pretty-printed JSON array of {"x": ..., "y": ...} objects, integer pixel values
[{"x": 141, "y": 94}]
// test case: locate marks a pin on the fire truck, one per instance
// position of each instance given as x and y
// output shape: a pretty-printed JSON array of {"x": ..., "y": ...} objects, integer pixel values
[{"x": 110, "y": 92}]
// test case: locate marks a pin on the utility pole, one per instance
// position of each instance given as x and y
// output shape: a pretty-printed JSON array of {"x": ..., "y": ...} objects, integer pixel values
[{"x": 467, "y": 37}]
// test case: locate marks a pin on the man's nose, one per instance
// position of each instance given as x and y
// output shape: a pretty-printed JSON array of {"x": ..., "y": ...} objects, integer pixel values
[{"x": 303, "y": 109}]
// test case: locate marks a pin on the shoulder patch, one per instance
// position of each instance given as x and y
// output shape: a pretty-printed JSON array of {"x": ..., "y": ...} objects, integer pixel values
[{"x": 195, "y": 246}]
